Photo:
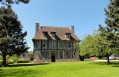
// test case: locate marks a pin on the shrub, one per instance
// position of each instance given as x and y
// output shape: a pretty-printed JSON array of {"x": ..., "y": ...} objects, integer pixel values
[
  {"x": 14, "y": 57},
  {"x": 10, "y": 62},
  {"x": 103, "y": 58},
  {"x": 1, "y": 62},
  {"x": 23, "y": 61}
]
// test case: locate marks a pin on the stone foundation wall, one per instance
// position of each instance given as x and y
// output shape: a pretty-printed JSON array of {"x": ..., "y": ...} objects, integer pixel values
[{"x": 57, "y": 60}]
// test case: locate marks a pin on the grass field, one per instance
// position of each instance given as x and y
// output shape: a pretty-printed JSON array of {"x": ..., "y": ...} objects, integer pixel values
[
  {"x": 86, "y": 59},
  {"x": 64, "y": 69}
]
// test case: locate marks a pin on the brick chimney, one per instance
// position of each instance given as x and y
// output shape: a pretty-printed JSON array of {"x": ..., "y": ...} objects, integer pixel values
[
  {"x": 72, "y": 28},
  {"x": 37, "y": 27}
]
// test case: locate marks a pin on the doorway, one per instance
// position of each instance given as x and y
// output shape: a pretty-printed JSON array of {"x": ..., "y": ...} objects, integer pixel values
[{"x": 53, "y": 58}]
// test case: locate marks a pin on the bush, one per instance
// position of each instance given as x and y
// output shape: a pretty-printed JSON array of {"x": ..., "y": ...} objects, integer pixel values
[
  {"x": 103, "y": 58},
  {"x": 1, "y": 62},
  {"x": 14, "y": 57},
  {"x": 23, "y": 61},
  {"x": 10, "y": 62}
]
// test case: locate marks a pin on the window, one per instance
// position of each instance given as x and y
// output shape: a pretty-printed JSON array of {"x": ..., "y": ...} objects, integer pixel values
[
  {"x": 53, "y": 43},
  {"x": 44, "y": 44},
  {"x": 68, "y": 44},
  {"x": 53, "y": 34},
  {"x": 67, "y": 35},
  {"x": 24, "y": 55},
  {"x": 45, "y": 54},
  {"x": 61, "y": 44},
  {"x": 61, "y": 54},
  {"x": 68, "y": 54},
  {"x": 44, "y": 34},
  {"x": 35, "y": 43}
]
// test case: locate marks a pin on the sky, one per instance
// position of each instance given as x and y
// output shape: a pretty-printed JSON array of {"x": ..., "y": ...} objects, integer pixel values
[{"x": 84, "y": 15}]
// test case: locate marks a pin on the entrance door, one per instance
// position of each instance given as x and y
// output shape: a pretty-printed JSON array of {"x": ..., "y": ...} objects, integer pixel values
[{"x": 53, "y": 58}]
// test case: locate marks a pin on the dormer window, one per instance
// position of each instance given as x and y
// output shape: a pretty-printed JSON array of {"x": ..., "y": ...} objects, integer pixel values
[
  {"x": 53, "y": 34},
  {"x": 44, "y": 34},
  {"x": 67, "y": 35}
]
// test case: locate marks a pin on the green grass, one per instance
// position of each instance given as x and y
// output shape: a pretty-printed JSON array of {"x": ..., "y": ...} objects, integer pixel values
[
  {"x": 86, "y": 59},
  {"x": 64, "y": 69}
]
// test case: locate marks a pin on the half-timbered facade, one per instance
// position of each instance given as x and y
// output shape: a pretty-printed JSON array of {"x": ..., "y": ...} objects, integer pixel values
[{"x": 55, "y": 44}]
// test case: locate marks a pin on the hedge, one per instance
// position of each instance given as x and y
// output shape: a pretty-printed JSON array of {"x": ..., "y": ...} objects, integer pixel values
[{"x": 23, "y": 61}]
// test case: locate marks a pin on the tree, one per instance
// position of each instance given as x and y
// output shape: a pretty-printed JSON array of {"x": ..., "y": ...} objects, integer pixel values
[
  {"x": 95, "y": 45},
  {"x": 111, "y": 31},
  {"x": 8, "y": 2},
  {"x": 11, "y": 36},
  {"x": 31, "y": 52}
]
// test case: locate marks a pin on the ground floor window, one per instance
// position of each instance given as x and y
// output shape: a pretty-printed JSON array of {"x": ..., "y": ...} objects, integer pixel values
[
  {"x": 45, "y": 54},
  {"x": 61, "y": 54},
  {"x": 68, "y": 54}
]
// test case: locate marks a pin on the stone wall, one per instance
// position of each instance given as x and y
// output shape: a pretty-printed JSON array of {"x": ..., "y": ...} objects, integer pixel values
[{"x": 57, "y": 60}]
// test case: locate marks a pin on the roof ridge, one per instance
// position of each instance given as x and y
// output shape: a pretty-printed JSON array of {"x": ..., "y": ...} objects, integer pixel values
[{"x": 54, "y": 26}]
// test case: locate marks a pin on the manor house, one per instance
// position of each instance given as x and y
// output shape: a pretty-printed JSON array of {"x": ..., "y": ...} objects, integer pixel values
[{"x": 55, "y": 44}]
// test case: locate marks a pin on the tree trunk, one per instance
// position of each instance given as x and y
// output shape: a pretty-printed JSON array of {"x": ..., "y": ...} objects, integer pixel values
[
  {"x": 108, "y": 60},
  {"x": 4, "y": 59}
]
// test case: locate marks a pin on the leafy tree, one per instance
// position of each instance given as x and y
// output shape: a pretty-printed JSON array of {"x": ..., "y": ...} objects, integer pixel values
[
  {"x": 11, "y": 36},
  {"x": 8, "y": 2},
  {"x": 95, "y": 45},
  {"x": 31, "y": 52},
  {"x": 111, "y": 31}
]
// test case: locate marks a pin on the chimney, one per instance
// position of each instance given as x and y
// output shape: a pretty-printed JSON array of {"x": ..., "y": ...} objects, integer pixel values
[
  {"x": 37, "y": 27},
  {"x": 72, "y": 28}
]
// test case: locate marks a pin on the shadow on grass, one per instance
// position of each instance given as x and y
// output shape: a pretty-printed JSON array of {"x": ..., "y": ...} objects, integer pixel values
[
  {"x": 114, "y": 64},
  {"x": 18, "y": 65}
]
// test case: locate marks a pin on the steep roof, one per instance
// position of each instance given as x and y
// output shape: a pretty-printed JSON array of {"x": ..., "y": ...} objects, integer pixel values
[{"x": 60, "y": 33}]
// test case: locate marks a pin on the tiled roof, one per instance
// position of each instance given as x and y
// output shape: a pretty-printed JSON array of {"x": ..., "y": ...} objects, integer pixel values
[{"x": 60, "y": 33}]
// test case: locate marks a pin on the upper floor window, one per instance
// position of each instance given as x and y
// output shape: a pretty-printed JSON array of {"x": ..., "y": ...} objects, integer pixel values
[
  {"x": 35, "y": 43},
  {"x": 68, "y": 44},
  {"x": 53, "y": 43},
  {"x": 44, "y": 34},
  {"x": 44, "y": 44},
  {"x": 61, "y": 44},
  {"x": 67, "y": 35}
]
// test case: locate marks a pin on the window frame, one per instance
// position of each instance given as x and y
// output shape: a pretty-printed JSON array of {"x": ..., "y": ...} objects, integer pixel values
[
  {"x": 44, "y": 43},
  {"x": 53, "y": 43},
  {"x": 61, "y": 57},
  {"x": 68, "y": 43},
  {"x": 44, "y": 34}
]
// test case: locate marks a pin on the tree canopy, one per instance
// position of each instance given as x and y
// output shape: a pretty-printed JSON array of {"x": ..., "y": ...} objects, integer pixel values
[
  {"x": 11, "y": 36},
  {"x": 9, "y": 2},
  {"x": 95, "y": 45},
  {"x": 111, "y": 31}
]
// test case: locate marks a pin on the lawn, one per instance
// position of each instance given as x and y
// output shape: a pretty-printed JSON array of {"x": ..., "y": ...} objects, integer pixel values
[
  {"x": 63, "y": 69},
  {"x": 86, "y": 59}
]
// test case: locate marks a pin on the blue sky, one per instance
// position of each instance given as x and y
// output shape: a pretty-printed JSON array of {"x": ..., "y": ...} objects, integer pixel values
[{"x": 84, "y": 15}]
